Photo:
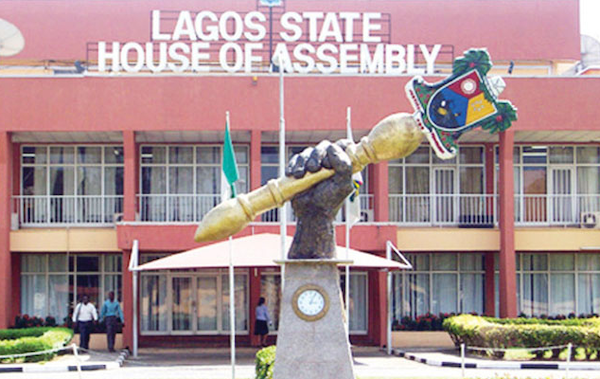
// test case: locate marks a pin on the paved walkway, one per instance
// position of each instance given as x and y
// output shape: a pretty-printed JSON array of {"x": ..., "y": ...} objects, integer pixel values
[{"x": 193, "y": 363}]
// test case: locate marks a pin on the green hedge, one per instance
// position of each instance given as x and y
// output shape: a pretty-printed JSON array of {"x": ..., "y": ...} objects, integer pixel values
[
  {"x": 265, "y": 359},
  {"x": 29, "y": 340},
  {"x": 491, "y": 332}
]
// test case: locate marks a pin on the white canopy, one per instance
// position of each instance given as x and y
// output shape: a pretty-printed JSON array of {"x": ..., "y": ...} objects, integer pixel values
[{"x": 259, "y": 250}]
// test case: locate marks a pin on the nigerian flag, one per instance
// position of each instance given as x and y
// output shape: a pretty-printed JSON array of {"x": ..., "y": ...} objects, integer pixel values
[{"x": 229, "y": 170}]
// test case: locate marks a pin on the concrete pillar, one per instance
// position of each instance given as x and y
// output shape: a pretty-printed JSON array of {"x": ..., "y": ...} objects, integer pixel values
[
  {"x": 382, "y": 305},
  {"x": 255, "y": 144},
  {"x": 6, "y": 155},
  {"x": 254, "y": 296},
  {"x": 508, "y": 278},
  {"x": 380, "y": 191},
  {"x": 130, "y": 176}
]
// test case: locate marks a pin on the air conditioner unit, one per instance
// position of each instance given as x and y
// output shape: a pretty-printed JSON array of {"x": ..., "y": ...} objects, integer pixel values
[
  {"x": 590, "y": 220},
  {"x": 14, "y": 221},
  {"x": 366, "y": 215}
]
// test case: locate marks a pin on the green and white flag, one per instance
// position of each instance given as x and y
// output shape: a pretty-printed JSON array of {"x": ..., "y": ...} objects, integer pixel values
[{"x": 229, "y": 170}]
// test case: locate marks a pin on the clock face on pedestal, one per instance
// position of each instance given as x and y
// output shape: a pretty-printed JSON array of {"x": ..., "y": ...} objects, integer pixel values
[{"x": 310, "y": 302}]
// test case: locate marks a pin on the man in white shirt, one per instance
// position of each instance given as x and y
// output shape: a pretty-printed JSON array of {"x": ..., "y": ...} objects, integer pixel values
[{"x": 85, "y": 313}]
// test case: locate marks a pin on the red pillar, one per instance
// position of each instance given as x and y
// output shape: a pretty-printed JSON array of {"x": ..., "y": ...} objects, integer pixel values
[
  {"x": 380, "y": 191},
  {"x": 127, "y": 280},
  {"x": 490, "y": 285},
  {"x": 508, "y": 285},
  {"x": 6, "y": 310},
  {"x": 130, "y": 176},
  {"x": 255, "y": 142}
]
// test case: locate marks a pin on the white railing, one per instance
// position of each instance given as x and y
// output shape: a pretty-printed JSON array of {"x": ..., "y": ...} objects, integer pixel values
[
  {"x": 560, "y": 210},
  {"x": 73, "y": 209},
  {"x": 176, "y": 207},
  {"x": 431, "y": 209},
  {"x": 482, "y": 210},
  {"x": 366, "y": 208}
]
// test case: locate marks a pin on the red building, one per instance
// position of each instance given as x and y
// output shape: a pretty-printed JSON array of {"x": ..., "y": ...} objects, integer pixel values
[{"x": 113, "y": 115}]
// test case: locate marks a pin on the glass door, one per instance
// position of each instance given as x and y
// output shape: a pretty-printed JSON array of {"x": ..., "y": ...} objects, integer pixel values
[
  {"x": 183, "y": 304},
  {"x": 562, "y": 196},
  {"x": 443, "y": 191}
]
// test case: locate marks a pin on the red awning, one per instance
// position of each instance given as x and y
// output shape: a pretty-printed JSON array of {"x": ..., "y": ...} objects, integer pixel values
[{"x": 259, "y": 250}]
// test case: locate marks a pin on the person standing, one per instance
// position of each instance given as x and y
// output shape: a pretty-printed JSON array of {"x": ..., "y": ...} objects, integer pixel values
[
  {"x": 85, "y": 313},
  {"x": 111, "y": 313},
  {"x": 261, "y": 327}
]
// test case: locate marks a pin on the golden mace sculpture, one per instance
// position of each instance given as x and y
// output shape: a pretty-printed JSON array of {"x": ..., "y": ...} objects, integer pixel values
[
  {"x": 394, "y": 137},
  {"x": 438, "y": 115}
]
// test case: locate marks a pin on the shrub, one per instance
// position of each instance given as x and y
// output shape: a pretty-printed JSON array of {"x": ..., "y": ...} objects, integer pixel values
[
  {"x": 525, "y": 333},
  {"x": 27, "y": 321},
  {"x": 265, "y": 361},
  {"x": 29, "y": 340}
]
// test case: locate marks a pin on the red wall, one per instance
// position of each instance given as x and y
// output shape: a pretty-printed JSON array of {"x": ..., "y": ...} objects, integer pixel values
[
  {"x": 312, "y": 103},
  {"x": 511, "y": 29}
]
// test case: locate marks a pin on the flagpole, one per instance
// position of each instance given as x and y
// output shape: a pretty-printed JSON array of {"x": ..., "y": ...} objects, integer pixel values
[
  {"x": 231, "y": 292},
  {"x": 283, "y": 212},
  {"x": 348, "y": 226}
]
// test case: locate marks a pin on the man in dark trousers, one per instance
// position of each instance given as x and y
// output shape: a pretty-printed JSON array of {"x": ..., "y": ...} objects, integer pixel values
[
  {"x": 85, "y": 313},
  {"x": 111, "y": 313}
]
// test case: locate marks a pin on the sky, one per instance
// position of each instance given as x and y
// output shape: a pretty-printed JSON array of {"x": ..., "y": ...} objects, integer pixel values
[{"x": 590, "y": 17}]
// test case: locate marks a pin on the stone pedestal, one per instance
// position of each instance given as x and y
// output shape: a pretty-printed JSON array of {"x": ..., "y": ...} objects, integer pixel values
[{"x": 313, "y": 349}]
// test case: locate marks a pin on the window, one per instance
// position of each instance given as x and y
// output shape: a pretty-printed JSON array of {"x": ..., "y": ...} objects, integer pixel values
[
  {"x": 183, "y": 182},
  {"x": 270, "y": 289},
  {"x": 187, "y": 302},
  {"x": 555, "y": 184},
  {"x": 439, "y": 283},
  {"x": 426, "y": 189},
  {"x": 359, "y": 301},
  {"x": 71, "y": 184},
  {"x": 51, "y": 284},
  {"x": 558, "y": 283}
]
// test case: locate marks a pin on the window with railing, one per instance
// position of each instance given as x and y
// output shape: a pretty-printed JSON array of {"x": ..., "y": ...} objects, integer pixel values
[
  {"x": 70, "y": 184},
  {"x": 181, "y": 183},
  {"x": 424, "y": 189},
  {"x": 556, "y": 185}
]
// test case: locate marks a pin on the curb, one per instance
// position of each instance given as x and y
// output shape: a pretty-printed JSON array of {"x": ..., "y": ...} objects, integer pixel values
[
  {"x": 511, "y": 365},
  {"x": 123, "y": 355}
]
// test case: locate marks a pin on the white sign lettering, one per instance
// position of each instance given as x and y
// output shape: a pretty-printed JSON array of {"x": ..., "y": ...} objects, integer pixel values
[{"x": 345, "y": 42}]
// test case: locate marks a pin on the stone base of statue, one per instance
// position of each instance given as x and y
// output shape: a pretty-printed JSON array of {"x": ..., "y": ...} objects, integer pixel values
[{"x": 312, "y": 340}]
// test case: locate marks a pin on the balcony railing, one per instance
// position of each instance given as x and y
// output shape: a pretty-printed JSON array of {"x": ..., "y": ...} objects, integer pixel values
[
  {"x": 465, "y": 210},
  {"x": 560, "y": 210},
  {"x": 482, "y": 210},
  {"x": 176, "y": 207},
  {"x": 61, "y": 210},
  {"x": 432, "y": 209},
  {"x": 191, "y": 208}
]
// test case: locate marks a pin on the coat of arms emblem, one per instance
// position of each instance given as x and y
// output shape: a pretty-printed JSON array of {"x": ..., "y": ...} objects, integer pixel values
[{"x": 465, "y": 100}]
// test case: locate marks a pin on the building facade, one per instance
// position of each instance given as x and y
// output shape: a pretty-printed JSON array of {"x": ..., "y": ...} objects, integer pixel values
[{"x": 109, "y": 134}]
